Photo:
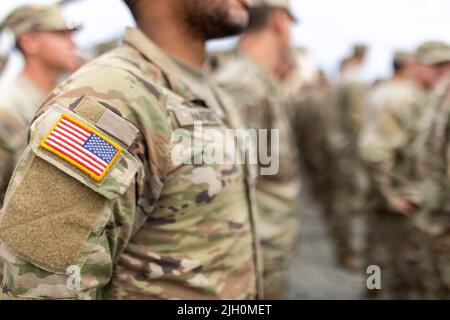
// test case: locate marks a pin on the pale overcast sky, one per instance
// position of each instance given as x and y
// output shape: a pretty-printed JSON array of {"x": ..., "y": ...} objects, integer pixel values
[{"x": 328, "y": 28}]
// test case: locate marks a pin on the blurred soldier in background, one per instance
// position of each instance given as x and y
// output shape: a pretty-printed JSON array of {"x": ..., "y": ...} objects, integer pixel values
[
  {"x": 432, "y": 215},
  {"x": 351, "y": 68},
  {"x": 394, "y": 110},
  {"x": 309, "y": 117},
  {"x": 252, "y": 78},
  {"x": 121, "y": 213},
  {"x": 299, "y": 72},
  {"x": 3, "y": 62},
  {"x": 45, "y": 40},
  {"x": 343, "y": 126}
]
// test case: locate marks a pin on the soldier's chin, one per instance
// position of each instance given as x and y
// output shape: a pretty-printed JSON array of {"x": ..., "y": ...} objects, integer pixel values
[{"x": 228, "y": 30}]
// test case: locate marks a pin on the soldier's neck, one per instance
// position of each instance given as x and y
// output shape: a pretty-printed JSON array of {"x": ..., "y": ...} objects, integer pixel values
[
  {"x": 261, "y": 48},
  {"x": 43, "y": 77},
  {"x": 176, "y": 41}
]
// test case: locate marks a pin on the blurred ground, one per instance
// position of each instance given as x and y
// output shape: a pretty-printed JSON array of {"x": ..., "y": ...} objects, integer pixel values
[{"x": 313, "y": 274}]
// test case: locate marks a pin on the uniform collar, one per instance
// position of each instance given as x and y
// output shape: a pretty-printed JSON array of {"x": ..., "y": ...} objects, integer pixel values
[{"x": 173, "y": 67}]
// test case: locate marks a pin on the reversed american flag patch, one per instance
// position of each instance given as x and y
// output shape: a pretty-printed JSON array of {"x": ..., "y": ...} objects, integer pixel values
[{"x": 81, "y": 146}]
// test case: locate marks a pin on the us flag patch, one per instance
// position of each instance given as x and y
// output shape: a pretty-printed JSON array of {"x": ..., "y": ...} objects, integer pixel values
[{"x": 81, "y": 146}]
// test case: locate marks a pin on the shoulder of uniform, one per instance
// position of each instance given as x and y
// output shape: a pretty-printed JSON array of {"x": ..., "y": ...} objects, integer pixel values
[
  {"x": 242, "y": 81},
  {"x": 236, "y": 71},
  {"x": 123, "y": 73},
  {"x": 117, "y": 105},
  {"x": 119, "y": 81}
]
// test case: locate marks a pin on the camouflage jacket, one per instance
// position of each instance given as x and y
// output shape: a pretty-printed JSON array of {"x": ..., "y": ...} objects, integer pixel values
[
  {"x": 309, "y": 113},
  {"x": 262, "y": 105},
  {"x": 152, "y": 227},
  {"x": 345, "y": 118},
  {"x": 18, "y": 103},
  {"x": 433, "y": 164},
  {"x": 387, "y": 142}
]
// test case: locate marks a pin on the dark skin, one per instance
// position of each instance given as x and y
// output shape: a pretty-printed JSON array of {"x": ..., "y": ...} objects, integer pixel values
[{"x": 182, "y": 27}]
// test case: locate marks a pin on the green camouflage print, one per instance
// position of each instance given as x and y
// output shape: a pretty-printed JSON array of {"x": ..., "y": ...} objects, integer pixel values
[
  {"x": 343, "y": 123},
  {"x": 153, "y": 228},
  {"x": 394, "y": 111},
  {"x": 36, "y": 17},
  {"x": 260, "y": 99},
  {"x": 310, "y": 116},
  {"x": 393, "y": 115},
  {"x": 434, "y": 185},
  {"x": 340, "y": 108}
]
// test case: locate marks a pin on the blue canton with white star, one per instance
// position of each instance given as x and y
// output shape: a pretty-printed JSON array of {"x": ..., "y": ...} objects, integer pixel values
[{"x": 100, "y": 148}]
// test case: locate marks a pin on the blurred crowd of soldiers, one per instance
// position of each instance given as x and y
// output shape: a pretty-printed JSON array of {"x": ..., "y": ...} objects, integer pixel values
[
  {"x": 150, "y": 228},
  {"x": 379, "y": 153}
]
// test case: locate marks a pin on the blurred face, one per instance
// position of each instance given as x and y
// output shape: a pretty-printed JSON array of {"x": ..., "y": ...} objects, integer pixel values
[
  {"x": 285, "y": 27},
  {"x": 282, "y": 24},
  {"x": 425, "y": 75},
  {"x": 442, "y": 69},
  {"x": 214, "y": 19},
  {"x": 55, "y": 49}
]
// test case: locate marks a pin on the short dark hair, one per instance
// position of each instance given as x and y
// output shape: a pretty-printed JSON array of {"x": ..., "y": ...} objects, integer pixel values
[{"x": 259, "y": 17}]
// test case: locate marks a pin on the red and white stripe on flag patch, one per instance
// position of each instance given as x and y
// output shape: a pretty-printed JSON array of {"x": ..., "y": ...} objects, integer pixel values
[{"x": 81, "y": 146}]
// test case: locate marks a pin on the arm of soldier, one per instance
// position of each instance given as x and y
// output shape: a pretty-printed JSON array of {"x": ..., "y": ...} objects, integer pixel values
[
  {"x": 379, "y": 144},
  {"x": 61, "y": 231},
  {"x": 56, "y": 239},
  {"x": 12, "y": 143},
  {"x": 357, "y": 101}
]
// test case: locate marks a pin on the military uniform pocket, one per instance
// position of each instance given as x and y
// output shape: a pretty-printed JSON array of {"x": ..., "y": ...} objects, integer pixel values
[
  {"x": 54, "y": 212},
  {"x": 119, "y": 174}
]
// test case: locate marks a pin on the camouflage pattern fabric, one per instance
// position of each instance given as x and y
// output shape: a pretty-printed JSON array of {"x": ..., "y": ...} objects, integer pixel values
[
  {"x": 153, "y": 228},
  {"x": 387, "y": 146},
  {"x": 434, "y": 208},
  {"x": 310, "y": 113},
  {"x": 36, "y": 17},
  {"x": 260, "y": 100},
  {"x": 343, "y": 125}
]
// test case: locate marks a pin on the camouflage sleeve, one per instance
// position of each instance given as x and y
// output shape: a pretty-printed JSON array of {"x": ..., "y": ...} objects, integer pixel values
[
  {"x": 379, "y": 144},
  {"x": 12, "y": 144},
  {"x": 357, "y": 100},
  {"x": 62, "y": 228},
  {"x": 434, "y": 171},
  {"x": 251, "y": 102}
]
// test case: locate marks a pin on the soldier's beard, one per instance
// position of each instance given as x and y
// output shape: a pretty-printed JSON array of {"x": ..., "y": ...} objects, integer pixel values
[{"x": 212, "y": 23}]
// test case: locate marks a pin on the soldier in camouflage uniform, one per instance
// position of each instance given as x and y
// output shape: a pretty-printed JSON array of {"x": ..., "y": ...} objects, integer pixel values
[
  {"x": 251, "y": 79},
  {"x": 432, "y": 208},
  {"x": 394, "y": 110},
  {"x": 44, "y": 38},
  {"x": 309, "y": 117},
  {"x": 343, "y": 125},
  {"x": 148, "y": 226}
]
